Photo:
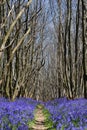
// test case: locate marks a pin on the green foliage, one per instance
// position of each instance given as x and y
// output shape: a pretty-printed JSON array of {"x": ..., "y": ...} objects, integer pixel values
[
  {"x": 40, "y": 106},
  {"x": 5, "y": 119},
  {"x": 63, "y": 127},
  {"x": 46, "y": 113},
  {"x": 31, "y": 123},
  {"x": 14, "y": 127},
  {"x": 76, "y": 122},
  {"x": 49, "y": 123}
]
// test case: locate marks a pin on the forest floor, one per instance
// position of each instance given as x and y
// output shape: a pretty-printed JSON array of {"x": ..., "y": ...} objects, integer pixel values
[{"x": 28, "y": 114}]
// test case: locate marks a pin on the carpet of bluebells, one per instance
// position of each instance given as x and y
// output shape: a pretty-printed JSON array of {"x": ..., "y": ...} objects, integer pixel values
[
  {"x": 66, "y": 114},
  {"x": 16, "y": 115}
]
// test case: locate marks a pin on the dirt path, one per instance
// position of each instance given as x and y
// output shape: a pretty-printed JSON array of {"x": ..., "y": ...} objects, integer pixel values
[{"x": 39, "y": 120}]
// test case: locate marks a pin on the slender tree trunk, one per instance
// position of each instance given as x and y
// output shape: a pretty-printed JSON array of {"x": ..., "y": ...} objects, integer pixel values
[
  {"x": 76, "y": 48},
  {"x": 69, "y": 8},
  {"x": 84, "y": 35}
]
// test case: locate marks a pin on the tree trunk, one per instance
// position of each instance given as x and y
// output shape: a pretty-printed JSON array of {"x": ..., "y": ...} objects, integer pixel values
[{"x": 84, "y": 35}]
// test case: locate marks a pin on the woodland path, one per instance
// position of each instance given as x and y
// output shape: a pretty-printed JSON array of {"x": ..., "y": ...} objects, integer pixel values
[{"x": 40, "y": 120}]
